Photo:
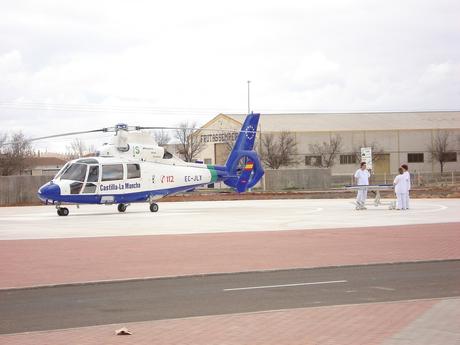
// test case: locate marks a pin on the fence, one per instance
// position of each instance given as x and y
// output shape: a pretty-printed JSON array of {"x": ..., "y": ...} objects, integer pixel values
[
  {"x": 423, "y": 179},
  {"x": 285, "y": 179},
  {"x": 20, "y": 190},
  {"x": 417, "y": 179}
]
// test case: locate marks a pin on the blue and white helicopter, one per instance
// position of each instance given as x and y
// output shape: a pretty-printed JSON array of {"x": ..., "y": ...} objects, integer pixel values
[{"x": 133, "y": 168}]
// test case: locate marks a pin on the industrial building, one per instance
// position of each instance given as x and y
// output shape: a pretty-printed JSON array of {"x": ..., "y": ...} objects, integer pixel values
[{"x": 396, "y": 138}]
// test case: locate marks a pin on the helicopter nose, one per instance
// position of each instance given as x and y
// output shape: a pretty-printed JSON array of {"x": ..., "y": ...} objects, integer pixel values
[{"x": 49, "y": 191}]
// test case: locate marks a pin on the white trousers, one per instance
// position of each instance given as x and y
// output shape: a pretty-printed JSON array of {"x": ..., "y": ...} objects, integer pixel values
[
  {"x": 401, "y": 201},
  {"x": 362, "y": 196},
  {"x": 407, "y": 200}
]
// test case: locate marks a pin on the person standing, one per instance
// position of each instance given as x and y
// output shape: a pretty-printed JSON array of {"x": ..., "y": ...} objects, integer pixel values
[
  {"x": 408, "y": 184},
  {"x": 362, "y": 179},
  {"x": 401, "y": 190}
]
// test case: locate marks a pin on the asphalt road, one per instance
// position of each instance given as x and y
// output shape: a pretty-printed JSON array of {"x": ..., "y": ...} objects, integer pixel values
[{"x": 117, "y": 302}]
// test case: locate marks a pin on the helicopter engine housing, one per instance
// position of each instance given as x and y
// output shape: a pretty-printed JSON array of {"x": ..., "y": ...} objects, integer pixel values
[{"x": 137, "y": 145}]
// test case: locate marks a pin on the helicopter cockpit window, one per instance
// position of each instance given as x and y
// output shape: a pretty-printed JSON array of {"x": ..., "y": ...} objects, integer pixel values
[
  {"x": 134, "y": 171},
  {"x": 112, "y": 172},
  {"x": 167, "y": 155},
  {"x": 75, "y": 172},
  {"x": 93, "y": 175},
  {"x": 64, "y": 168}
]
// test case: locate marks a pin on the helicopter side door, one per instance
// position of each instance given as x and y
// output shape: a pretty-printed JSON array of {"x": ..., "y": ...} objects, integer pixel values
[
  {"x": 92, "y": 180},
  {"x": 133, "y": 180}
]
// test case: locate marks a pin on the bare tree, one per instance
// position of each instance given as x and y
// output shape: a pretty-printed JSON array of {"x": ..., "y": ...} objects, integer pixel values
[
  {"x": 327, "y": 151},
  {"x": 77, "y": 148},
  {"x": 91, "y": 150},
  {"x": 14, "y": 155},
  {"x": 278, "y": 151},
  {"x": 439, "y": 148},
  {"x": 162, "y": 137},
  {"x": 3, "y": 139},
  {"x": 229, "y": 144},
  {"x": 190, "y": 144}
]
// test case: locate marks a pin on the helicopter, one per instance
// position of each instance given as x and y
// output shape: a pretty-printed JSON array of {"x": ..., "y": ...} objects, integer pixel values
[{"x": 132, "y": 168}]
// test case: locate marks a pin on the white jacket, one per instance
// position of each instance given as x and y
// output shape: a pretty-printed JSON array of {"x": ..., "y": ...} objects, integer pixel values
[
  {"x": 400, "y": 184},
  {"x": 406, "y": 175},
  {"x": 362, "y": 177}
]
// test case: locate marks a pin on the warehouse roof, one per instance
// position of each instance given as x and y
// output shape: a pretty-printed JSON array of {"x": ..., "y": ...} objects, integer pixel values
[
  {"x": 335, "y": 122},
  {"x": 45, "y": 161}
]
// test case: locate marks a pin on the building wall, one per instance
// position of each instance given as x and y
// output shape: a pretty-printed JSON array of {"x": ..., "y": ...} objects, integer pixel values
[
  {"x": 220, "y": 130},
  {"x": 397, "y": 143}
]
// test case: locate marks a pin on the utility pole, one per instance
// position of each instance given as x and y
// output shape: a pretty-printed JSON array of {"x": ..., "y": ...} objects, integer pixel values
[{"x": 249, "y": 98}]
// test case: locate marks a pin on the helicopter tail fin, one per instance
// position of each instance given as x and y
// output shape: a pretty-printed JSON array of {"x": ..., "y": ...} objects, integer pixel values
[{"x": 243, "y": 163}]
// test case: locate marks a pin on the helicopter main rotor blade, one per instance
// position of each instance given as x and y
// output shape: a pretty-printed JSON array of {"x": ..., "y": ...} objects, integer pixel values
[
  {"x": 58, "y": 136},
  {"x": 68, "y": 134},
  {"x": 195, "y": 129},
  {"x": 128, "y": 128}
]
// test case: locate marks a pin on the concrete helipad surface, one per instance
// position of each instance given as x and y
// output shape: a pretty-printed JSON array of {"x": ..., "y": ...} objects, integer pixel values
[{"x": 216, "y": 216}]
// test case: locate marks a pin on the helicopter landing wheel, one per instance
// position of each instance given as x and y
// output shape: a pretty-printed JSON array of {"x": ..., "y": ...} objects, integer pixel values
[
  {"x": 63, "y": 211},
  {"x": 122, "y": 207},
  {"x": 153, "y": 207}
]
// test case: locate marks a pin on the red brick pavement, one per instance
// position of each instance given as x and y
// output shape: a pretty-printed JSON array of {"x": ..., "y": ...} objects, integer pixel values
[
  {"x": 365, "y": 324},
  {"x": 57, "y": 261}
]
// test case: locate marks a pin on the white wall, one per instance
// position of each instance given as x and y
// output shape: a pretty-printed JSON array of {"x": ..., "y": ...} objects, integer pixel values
[{"x": 398, "y": 143}]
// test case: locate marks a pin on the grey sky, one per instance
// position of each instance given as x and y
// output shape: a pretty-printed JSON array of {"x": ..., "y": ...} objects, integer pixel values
[{"x": 95, "y": 63}]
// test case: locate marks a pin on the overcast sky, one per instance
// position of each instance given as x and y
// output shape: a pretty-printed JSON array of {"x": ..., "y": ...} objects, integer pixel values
[{"x": 71, "y": 65}]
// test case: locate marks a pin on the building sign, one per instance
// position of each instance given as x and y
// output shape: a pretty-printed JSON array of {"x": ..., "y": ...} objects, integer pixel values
[
  {"x": 219, "y": 137},
  {"x": 366, "y": 156}
]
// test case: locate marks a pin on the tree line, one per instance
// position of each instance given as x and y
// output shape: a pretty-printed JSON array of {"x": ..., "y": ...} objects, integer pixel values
[{"x": 275, "y": 150}]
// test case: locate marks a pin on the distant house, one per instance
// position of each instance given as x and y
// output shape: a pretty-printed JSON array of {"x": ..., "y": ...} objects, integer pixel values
[{"x": 48, "y": 166}]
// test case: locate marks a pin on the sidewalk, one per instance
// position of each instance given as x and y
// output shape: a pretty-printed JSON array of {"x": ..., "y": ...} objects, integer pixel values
[
  {"x": 77, "y": 260},
  {"x": 395, "y": 323}
]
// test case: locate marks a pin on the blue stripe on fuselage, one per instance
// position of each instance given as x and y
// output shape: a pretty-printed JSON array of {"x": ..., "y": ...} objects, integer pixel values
[{"x": 118, "y": 198}]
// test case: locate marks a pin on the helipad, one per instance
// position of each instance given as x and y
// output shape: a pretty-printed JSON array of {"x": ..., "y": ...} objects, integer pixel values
[{"x": 215, "y": 216}]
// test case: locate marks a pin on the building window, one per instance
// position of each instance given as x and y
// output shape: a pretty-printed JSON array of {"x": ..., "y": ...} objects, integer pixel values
[
  {"x": 313, "y": 161},
  {"x": 415, "y": 158},
  {"x": 347, "y": 159},
  {"x": 450, "y": 156}
]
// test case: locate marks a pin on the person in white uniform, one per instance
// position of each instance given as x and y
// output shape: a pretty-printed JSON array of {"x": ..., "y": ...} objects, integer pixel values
[
  {"x": 362, "y": 179},
  {"x": 408, "y": 185},
  {"x": 400, "y": 190}
]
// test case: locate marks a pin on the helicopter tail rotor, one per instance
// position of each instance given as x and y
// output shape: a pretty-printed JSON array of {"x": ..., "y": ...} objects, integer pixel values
[{"x": 243, "y": 163}]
